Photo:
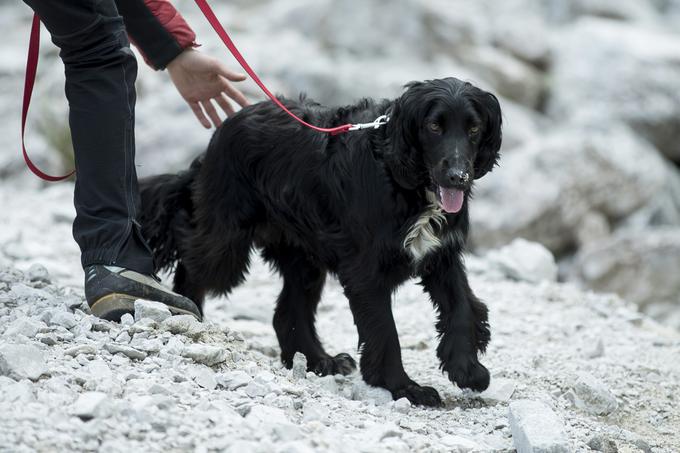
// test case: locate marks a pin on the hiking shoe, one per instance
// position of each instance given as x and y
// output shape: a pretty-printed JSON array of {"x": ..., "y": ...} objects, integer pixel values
[{"x": 111, "y": 291}]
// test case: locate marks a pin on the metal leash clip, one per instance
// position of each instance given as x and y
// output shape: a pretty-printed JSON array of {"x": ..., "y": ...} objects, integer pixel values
[{"x": 379, "y": 121}]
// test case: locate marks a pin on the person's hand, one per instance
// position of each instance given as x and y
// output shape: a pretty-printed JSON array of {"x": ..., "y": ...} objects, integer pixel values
[{"x": 201, "y": 79}]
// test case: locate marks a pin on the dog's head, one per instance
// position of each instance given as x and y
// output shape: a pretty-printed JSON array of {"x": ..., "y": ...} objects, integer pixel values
[{"x": 445, "y": 133}]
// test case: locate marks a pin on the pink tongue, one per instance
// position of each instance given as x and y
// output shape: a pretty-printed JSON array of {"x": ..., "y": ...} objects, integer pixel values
[{"x": 452, "y": 199}]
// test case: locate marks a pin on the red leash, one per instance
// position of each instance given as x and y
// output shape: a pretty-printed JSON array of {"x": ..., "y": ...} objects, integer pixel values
[
  {"x": 215, "y": 23},
  {"x": 31, "y": 71}
]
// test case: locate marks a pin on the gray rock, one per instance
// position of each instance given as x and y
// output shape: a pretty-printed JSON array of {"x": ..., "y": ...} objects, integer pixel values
[
  {"x": 636, "y": 63},
  {"x": 22, "y": 291},
  {"x": 87, "y": 349},
  {"x": 62, "y": 318},
  {"x": 143, "y": 325},
  {"x": 204, "y": 377},
  {"x": 20, "y": 361},
  {"x": 523, "y": 37},
  {"x": 597, "y": 351},
  {"x": 328, "y": 383},
  {"x": 593, "y": 228},
  {"x": 50, "y": 339},
  {"x": 510, "y": 77},
  {"x": 593, "y": 397},
  {"x": 274, "y": 421},
  {"x": 536, "y": 428},
  {"x": 642, "y": 445},
  {"x": 205, "y": 354},
  {"x": 315, "y": 412},
  {"x": 256, "y": 389},
  {"x": 299, "y": 370},
  {"x": 98, "y": 370},
  {"x": 233, "y": 379},
  {"x": 183, "y": 325},
  {"x": 127, "y": 351},
  {"x": 127, "y": 320},
  {"x": 519, "y": 125},
  {"x": 150, "y": 345},
  {"x": 573, "y": 173},
  {"x": 21, "y": 392},
  {"x": 622, "y": 10},
  {"x": 402, "y": 405},
  {"x": 500, "y": 390},
  {"x": 90, "y": 405},
  {"x": 123, "y": 337},
  {"x": 174, "y": 346},
  {"x": 603, "y": 444},
  {"x": 38, "y": 273},
  {"x": 525, "y": 261},
  {"x": 642, "y": 268},
  {"x": 154, "y": 310},
  {"x": 27, "y": 327}
]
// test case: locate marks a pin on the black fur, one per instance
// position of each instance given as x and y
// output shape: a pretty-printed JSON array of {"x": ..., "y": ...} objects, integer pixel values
[{"x": 315, "y": 204}]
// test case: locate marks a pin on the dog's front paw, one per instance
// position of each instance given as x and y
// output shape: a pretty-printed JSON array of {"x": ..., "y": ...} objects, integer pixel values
[
  {"x": 468, "y": 374},
  {"x": 419, "y": 395},
  {"x": 342, "y": 363}
]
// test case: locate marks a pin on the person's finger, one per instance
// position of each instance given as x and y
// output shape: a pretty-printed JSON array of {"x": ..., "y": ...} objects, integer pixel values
[
  {"x": 212, "y": 113},
  {"x": 227, "y": 73},
  {"x": 196, "y": 108},
  {"x": 223, "y": 102},
  {"x": 234, "y": 94}
]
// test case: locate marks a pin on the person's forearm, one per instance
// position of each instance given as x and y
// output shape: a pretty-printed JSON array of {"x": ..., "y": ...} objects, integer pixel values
[{"x": 156, "y": 29}]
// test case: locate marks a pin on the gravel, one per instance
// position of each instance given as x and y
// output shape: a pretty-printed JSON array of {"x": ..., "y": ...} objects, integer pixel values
[
  {"x": 19, "y": 361},
  {"x": 208, "y": 386},
  {"x": 592, "y": 396},
  {"x": 153, "y": 310},
  {"x": 299, "y": 370},
  {"x": 536, "y": 428},
  {"x": 90, "y": 405}
]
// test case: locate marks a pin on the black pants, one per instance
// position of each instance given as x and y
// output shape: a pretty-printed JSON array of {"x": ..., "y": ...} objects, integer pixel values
[{"x": 100, "y": 87}]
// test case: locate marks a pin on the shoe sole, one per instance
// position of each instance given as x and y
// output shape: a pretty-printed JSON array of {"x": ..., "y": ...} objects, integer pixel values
[{"x": 113, "y": 306}]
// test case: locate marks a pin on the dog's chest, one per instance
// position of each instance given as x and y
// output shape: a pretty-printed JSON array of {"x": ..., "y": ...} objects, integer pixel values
[{"x": 428, "y": 233}]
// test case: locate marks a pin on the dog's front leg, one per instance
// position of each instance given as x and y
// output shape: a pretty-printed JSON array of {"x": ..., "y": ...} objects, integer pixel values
[
  {"x": 381, "y": 363},
  {"x": 463, "y": 321}
]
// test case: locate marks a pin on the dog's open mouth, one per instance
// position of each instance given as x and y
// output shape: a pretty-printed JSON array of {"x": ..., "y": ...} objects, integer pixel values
[{"x": 450, "y": 200}]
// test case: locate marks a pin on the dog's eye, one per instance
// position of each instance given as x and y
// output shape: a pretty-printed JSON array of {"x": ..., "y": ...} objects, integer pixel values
[
  {"x": 473, "y": 130},
  {"x": 435, "y": 127}
]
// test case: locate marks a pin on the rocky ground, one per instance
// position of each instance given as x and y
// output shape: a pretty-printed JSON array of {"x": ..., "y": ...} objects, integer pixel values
[{"x": 571, "y": 370}]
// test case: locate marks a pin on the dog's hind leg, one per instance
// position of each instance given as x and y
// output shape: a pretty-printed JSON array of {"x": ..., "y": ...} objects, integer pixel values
[
  {"x": 184, "y": 285},
  {"x": 295, "y": 313},
  {"x": 213, "y": 263}
]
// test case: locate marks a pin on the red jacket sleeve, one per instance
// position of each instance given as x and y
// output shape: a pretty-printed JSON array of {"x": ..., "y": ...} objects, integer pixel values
[{"x": 156, "y": 29}]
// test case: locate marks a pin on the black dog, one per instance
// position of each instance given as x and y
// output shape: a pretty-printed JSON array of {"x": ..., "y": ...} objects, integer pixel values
[{"x": 373, "y": 207}]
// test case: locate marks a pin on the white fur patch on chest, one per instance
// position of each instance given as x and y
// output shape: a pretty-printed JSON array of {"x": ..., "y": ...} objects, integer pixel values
[{"x": 424, "y": 235}]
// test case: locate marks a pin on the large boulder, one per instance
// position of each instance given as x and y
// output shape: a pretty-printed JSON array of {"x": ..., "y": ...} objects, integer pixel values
[
  {"x": 521, "y": 125},
  {"x": 636, "y": 80},
  {"x": 523, "y": 35},
  {"x": 641, "y": 266},
  {"x": 625, "y": 10},
  {"x": 546, "y": 190},
  {"x": 510, "y": 77}
]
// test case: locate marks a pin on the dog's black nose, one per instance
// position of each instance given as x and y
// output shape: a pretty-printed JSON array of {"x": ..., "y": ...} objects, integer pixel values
[{"x": 458, "y": 177}]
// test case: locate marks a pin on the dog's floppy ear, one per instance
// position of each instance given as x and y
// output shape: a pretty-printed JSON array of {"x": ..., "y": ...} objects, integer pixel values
[
  {"x": 404, "y": 155},
  {"x": 490, "y": 143}
]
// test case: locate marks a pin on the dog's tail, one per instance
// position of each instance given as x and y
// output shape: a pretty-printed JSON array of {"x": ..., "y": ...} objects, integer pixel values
[{"x": 166, "y": 213}]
